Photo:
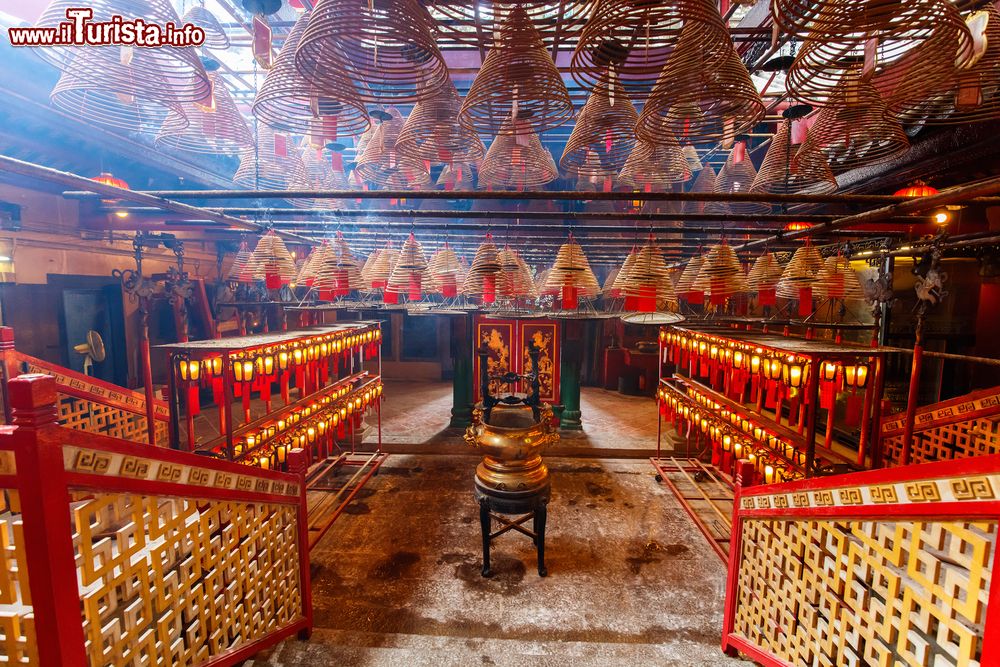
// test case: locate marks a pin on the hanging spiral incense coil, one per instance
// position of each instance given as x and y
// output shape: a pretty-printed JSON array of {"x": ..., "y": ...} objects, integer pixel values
[
  {"x": 289, "y": 102},
  {"x": 721, "y": 275},
  {"x": 632, "y": 41},
  {"x": 517, "y": 161},
  {"x": 737, "y": 176},
  {"x": 386, "y": 45},
  {"x": 604, "y": 134},
  {"x": 970, "y": 94},
  {"x": 444, "y": 272},
  {"x": 705, "y": 183},
  {"x": 858, "y": 19},
  {"x": 311, "y": 266},
  {"x": 801, "y": 272},
  {"x": 617, "y": 286},
  {"x": 855, "y": 129},
  {"x": 607, "y": 287},
  {"x": 793, "y": 168},
  {"x": 704, "y": 94},
  {"x": 456, "y": 176},
  {"x": 215, "y": 35},
  {"x": 685, "y": 284},
  {"x": 481, "y": 280},
  {"x": 165, "y": 74},
  {"x": 383, "y": 164},
  {"x": 477, "y": 24},
  {"x": 692, "y": 157},
  {"x": 912, "y": 47},
  {"x": 765, "y": 273},
  {"x": 432, "y": 131},
  {"x": 571, "y": 276},
  {"x": 274, "y": 165},
  {"x": 339, "y": 272},
  {"x": 838, "y": 280},
  {"x": 407, "y": 274},
  {"x": 647, "y": 286},
  {"x": 271, "y": 262},
  {"x": 376, "y": 271},
  {"x": 239, "y": 270},
  {"x": 218, "y": 128},
  {"x": 318, "y": 174},
  {"x": 514, "y": 279},
  {"x": 517, "y": 79},
  {"x": 654, "y": 167}
]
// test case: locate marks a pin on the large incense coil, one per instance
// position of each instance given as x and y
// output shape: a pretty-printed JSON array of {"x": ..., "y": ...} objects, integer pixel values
[
  {"x": 218, "y": 128},
  {"x": 444, "y": 272},
  {"x": 215, "y": 35},
  {"x": 129, "y": 107},
  {"x": 271, "y": 262},
  {"x": 607, "y": 287},
  {"x": 632, "y": 41},
  {"x": 841, "y": 31},
  {"x": 240, "y": 270},
  {"x": 318, "y": 174},
  {"x": 604, "y": 134},
  {"x": 737, "y": 176},
  {"x": 287, "y": 101},
  {"x": 275, "y": 164},
  {"x": 407, "y": 273},
  {"x": 376, "y": 271},
  {"x": 970, "y": 94},
  {"x": 386, "y": 45},
  {"x": 514, "y": 280},
  {"x": 704, "y": 94},
  {"x": 854, "y": 17},
  {"x": 653, "y": 167},
  {"x": 481, "y": 280},
  {"x": 855, "y": 129},
  {"x": 838, "y": 280},
  {"x": 704, "y": 183},
  {"x": 310, "y": 268},
  {"x": 692, "y": 157},
  {"x": 432, "y": 131},
  {"x": 793, "y": 168},
  {"x": 685, "y": 284},
  {"x": 572, "y": 270},
  {"x": 517, "y": 161},
  {"x": 518, "y": 78},
  {"x": 456, "y": 176},
  {"x": 765, "y": 273},
  {"x": 383, "y": 164},
  {"x": 337, "y": 271},
  {"x": 721, "y": 275},
  {"x": 801, "y": 272},
  {"x": 647, "y": 285},
  {"x": 617, "y": 285},
  {"x": 477, "y": 24},
  {"x": 167, "y": 74}
]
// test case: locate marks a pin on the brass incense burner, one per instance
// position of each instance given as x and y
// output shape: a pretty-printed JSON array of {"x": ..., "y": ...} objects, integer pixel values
[{"x": 511, "y": 440}]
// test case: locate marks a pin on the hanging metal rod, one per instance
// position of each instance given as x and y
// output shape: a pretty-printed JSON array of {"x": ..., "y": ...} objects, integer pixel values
[{"x": 560, "y": 195}]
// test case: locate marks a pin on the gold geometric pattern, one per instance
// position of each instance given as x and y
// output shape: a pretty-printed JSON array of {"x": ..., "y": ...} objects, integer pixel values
[
  {"x": 18, "y": 644},
  {"x": 83, "y": 415},
  {"x": 176, "y": 581},
  {"x": 974, "y": 437},
  {"x": 853, "y": 592}
]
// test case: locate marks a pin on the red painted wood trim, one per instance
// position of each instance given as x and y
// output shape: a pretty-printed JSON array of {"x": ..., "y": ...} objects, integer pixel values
[
  {"x": 946, "y": 511},
  {"x": 753, "y": 652},
  {"x": 899, "y": 417},
  {"x": 244, "y": 652},
  {"x": 735, "y": 552},
  {"x": 112, "y": 484},
  {"x": 977, "y": 465}
]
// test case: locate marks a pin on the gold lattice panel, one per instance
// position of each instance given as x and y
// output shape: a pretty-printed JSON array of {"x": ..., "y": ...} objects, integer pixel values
[
  {"x": 84, "y": 415},
  {"x": 864, "y": 593},
  {"x": 17, "y": 624},
  {"x": 174, "y": 581},
  {"x": 975, "y": 437}
]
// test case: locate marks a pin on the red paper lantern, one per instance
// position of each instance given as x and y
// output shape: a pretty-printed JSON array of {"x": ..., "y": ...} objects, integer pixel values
[
  {"x": 918, "y": 189},
  {"x": 797, "y": 226}
]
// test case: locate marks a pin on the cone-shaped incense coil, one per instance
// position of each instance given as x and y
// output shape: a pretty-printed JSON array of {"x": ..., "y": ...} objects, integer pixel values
[
  {"x": 704, "y": 182},
  {"x": 383, "y": 164},
  {"x": 407, "y": 274},
  {"x": 685, "y": 284},
  {"x": 632, "y": 41},
  {"x": 444, "y": 272},
  {"x": 514, "y": 280},
  {"x": 476, "y": 24},
  {"x": 271, "y": 262},
  {"x": 617, "y": 287},
  {"x": 386, "y": 45},
  {"x": 287, "y": 101},
  {"x": 647, "y": 285},
  {"x": 338, "y": 272},
  {"x": 215, "y": 128},
  {"x": 379, "y": 266},
  {"x": 800, "y": 276},
  {"x": 765, "y": 273},
  {"x": 571, "y": 276},
  {"x": 692, "y": 157},
  {"x": 215, "y": 35},
  {"x": 793, "y": 167},
  {"x": 519, "y": 79},
  {"x": 655, "y": 167},
  {"x": 274, "y": 165},
  {"x": 320, "y": 174},
  {"x": 313, "y": 264},
  {"x": 604, "y": 134},
  {"x": 432, "y": 131},
  {"x": 240, "y": 270},
  {"x": 721, "y": 275},
  {"x": 736, "y": 176},
  {"x": 838, "y": 280},
  {"x": 167, "y": 74},
  {"x": 855, "y": 129},
  {"x": 456, "y": 176},
  {"x": 704, "y": 94},
  {"x": 481, "y": 280},
  {"x": 607, "y": 288},
  {"x": 517, "y": 161}
]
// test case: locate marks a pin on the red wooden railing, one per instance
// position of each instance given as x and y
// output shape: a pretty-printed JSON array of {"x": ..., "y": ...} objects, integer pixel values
[
  {"x": 870, "y": 568},
  {"x": 119, "y": 553}
]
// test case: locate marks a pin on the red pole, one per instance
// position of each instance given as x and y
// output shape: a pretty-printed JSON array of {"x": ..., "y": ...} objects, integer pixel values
[
  {"x": 744, "y": 478},
  {"x": 298, "y": 464},
  {"x": 911, "y": 400},
  {"x": 147, "y": 374}
]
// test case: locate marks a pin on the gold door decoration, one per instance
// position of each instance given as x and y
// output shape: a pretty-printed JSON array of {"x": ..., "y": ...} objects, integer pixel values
[
  {"x": 498, "y": 338},
  {"x": 544, "y": 337},
  {"x": 508, "y": 342}
]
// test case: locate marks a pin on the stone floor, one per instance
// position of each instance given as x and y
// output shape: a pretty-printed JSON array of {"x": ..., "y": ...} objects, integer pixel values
[
  {"x": 415, "y": 416},
  {"x": 396, "y": 580}
]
